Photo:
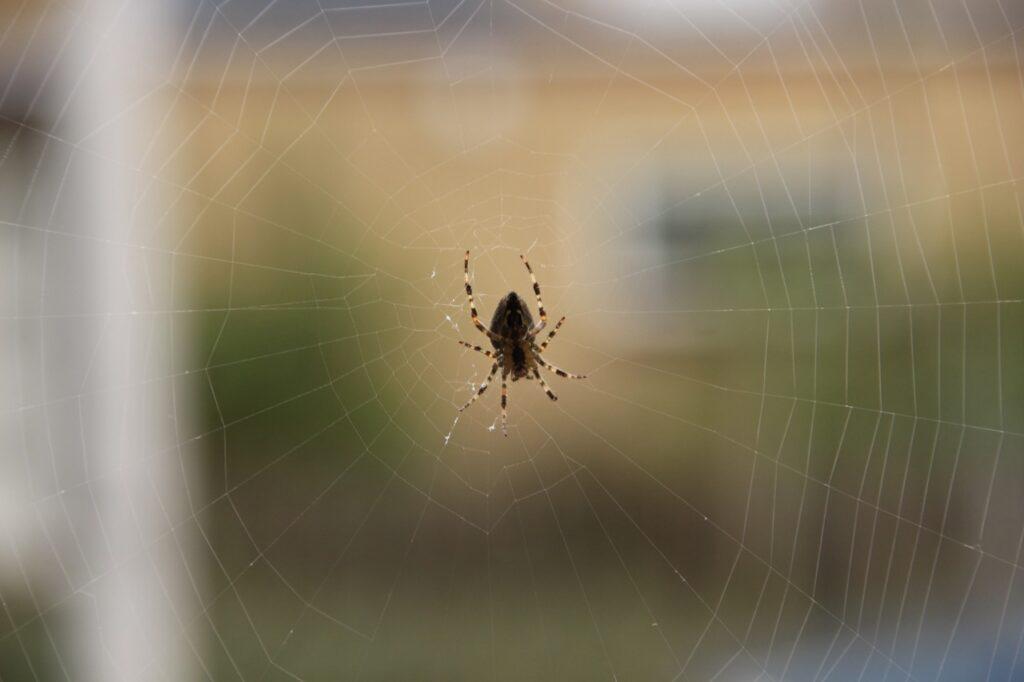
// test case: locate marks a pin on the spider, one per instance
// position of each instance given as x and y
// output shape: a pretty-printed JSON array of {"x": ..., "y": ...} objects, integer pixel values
[{"x": 513, "y": 335}]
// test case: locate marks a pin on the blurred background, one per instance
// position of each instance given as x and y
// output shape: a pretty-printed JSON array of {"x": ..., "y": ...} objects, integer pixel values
[{"x": 788, "y": 239}]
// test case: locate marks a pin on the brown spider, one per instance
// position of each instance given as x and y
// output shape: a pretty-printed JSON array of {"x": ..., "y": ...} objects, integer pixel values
[{"x": 513, "y": 334}]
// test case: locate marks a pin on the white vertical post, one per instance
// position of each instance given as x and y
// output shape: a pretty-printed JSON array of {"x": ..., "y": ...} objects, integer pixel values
[{"x": 141, "y": 633}]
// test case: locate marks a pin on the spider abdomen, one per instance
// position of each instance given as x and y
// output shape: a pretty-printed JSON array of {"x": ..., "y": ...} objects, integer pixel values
[{"x": 512, "y": 319}]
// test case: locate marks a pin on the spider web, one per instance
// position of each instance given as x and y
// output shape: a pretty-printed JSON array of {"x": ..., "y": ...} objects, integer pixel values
[{"x": 786, "y": 237}]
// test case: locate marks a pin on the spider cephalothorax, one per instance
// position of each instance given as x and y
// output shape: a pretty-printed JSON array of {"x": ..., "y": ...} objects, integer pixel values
[{"x": 513, "y": 335}]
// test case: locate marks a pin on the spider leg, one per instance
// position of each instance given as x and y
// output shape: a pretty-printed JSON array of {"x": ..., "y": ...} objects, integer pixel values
[
  {"x": 560, "y": 372},
  {"x": 486, "y": 352},
  {"x": 504, "y": 403},
  {"x": 483, "y": 387},
  {"x": 544, "y": 384},
  {"x": 540, "y": 303},
  {"x": 472, "y": 304},
  {"x": 551, "y": 334}
]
